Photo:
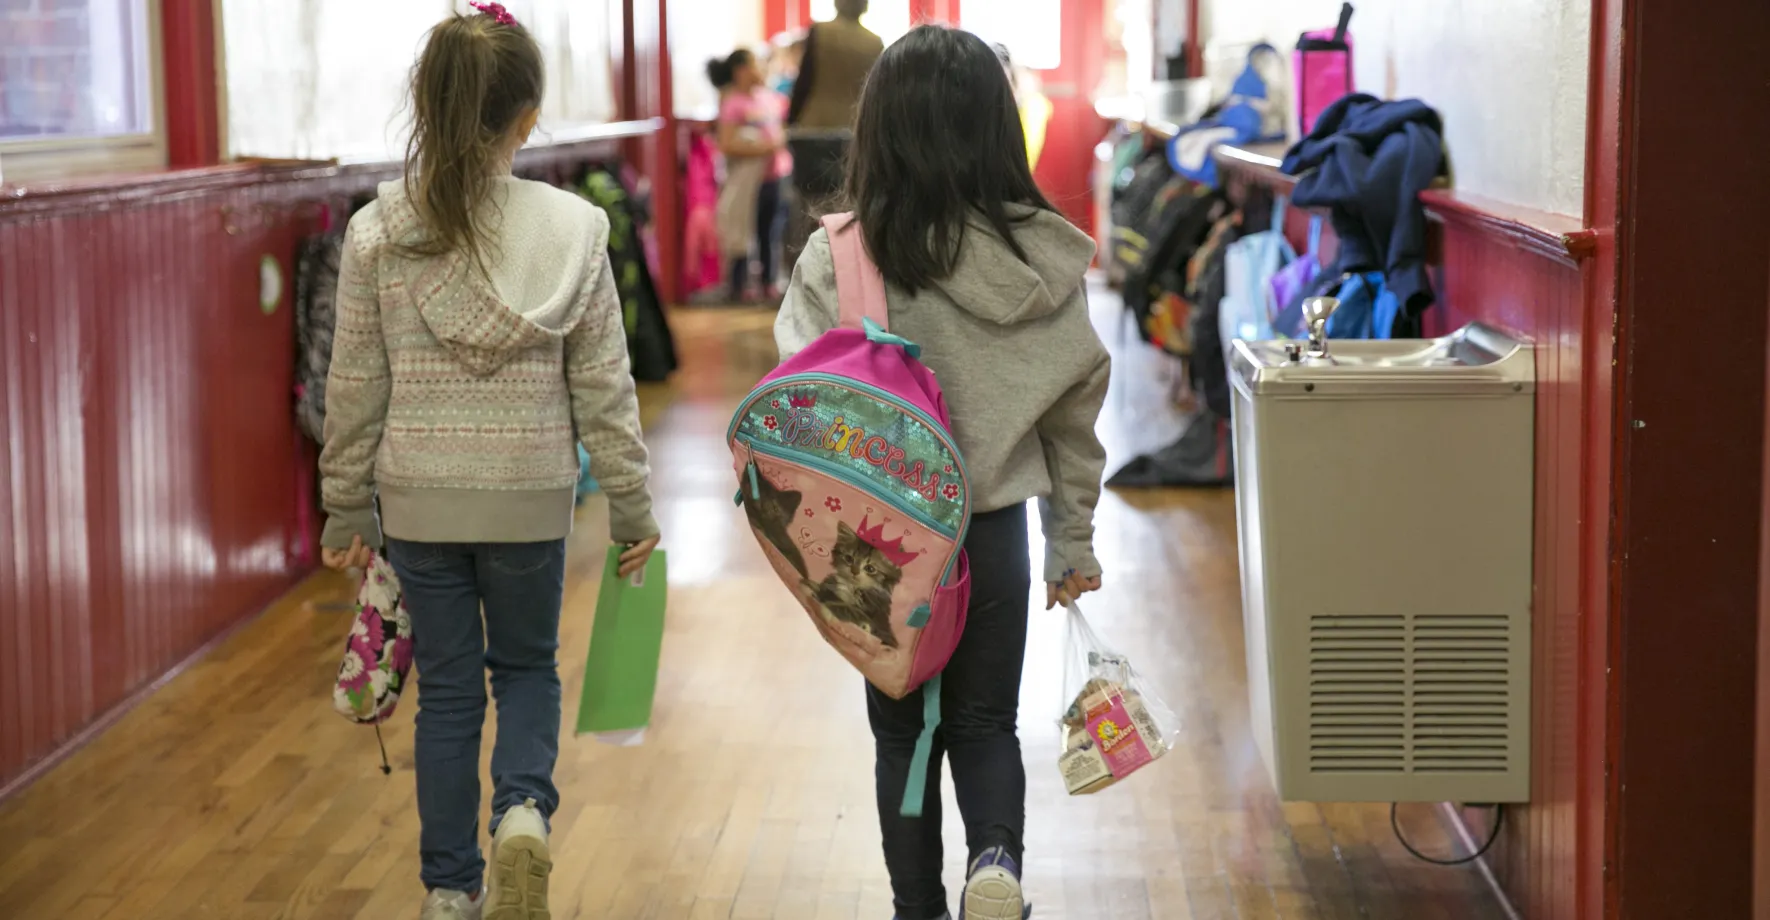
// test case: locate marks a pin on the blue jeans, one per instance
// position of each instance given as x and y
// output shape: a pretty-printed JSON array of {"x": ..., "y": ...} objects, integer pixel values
[
  {"x": 520, "y": 586},
  {"x": 979, "y": 708}
]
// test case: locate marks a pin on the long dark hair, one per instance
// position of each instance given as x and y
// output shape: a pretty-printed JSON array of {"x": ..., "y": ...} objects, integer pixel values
[
  {"x": 475, "y": 78},
  {"x": 723, "y": 73},
  {"x": 937, "y": 138}
]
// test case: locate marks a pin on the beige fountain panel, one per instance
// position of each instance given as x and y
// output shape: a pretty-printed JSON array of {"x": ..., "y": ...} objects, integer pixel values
[{"x": 1384, "y": 500}]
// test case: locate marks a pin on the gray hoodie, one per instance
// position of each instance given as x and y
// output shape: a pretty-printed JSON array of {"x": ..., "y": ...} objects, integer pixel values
[
  {"x": 1017, "y": 357},
  {"x": 455, "y": 399}
]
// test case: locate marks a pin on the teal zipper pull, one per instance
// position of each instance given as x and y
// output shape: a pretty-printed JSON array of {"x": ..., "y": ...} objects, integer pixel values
[{"x": 755, "y": 486}]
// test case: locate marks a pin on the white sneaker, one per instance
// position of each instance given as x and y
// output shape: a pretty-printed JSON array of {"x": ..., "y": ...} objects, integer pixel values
[
  {"x": 992, "y": 889},
  {"x": 520, "y": 864},
  {"x": 452, "y": 905}
]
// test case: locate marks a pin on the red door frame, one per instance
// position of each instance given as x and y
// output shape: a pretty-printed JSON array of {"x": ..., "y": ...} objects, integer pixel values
[
  {"x": 785, "y": 16},
  {"x": 192, "y": 95},
  {"x": 1065, "y": 167},
  {"x": 946, "y": 11},
  {"x": 1761, "y": 839},
  {"x": 1679, "y": 579}
]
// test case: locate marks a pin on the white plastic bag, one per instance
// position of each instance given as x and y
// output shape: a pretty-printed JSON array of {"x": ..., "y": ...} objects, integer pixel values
[{"x": 1112, "y": 724}]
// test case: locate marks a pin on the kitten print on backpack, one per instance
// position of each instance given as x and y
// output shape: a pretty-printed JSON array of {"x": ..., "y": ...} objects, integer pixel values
[
  {"x": 771, "y": 514},
  {"x": 858, "y": 591}
]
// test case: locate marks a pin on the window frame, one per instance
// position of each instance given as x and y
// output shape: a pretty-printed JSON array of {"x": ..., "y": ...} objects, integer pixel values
[{"x": 40, "y": 159}]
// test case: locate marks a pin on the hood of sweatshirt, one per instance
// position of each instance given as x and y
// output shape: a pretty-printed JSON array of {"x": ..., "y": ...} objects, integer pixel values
[
  {"x": 991, "y": 283},
  {"x": 543, "y": 254}
]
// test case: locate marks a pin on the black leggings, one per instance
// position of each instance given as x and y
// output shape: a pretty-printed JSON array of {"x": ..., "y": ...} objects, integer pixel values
[
  {"x": 768, "y": 215},
  {"x": 979, "y": 703}
]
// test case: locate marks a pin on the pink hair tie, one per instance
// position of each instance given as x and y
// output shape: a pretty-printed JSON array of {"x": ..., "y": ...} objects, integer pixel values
[{"x": 495, "y": 10}]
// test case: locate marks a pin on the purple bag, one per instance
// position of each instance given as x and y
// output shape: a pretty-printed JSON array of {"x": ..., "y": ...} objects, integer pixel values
[
  {"x": 1292, "y": 280},
  {"x": 1322, "y": 69}
]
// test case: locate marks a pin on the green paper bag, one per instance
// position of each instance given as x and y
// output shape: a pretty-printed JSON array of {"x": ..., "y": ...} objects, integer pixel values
[{"x": 621, "y": 676}]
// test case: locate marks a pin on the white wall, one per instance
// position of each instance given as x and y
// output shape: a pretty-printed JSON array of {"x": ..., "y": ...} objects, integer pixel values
[
  {"x": 1508, "y": 77},
  {"x": 701, "y": 30}
]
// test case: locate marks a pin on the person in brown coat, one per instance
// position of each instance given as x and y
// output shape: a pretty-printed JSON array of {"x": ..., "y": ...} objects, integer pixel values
[{"x": 837, "y": 58}]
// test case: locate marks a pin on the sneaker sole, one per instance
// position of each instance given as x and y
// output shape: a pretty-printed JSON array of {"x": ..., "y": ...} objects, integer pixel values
[
  {"x": 521, "y": 866},
  {"x": 994, "y": 894}
]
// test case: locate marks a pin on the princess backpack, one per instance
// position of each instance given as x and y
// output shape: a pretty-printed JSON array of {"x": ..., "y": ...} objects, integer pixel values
[{"x": 850, "y": 478}]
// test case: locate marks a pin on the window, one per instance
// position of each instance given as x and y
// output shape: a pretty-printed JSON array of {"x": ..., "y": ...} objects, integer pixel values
[
  {"x": 327, "y": 79},
  {"x": 575, "y": 39},
  {"x": 1032, "y": 30},
  {"x": 701, "y": 30},
  {"x": 78, "y": 87},
  {"x": 889, "y": 19}
]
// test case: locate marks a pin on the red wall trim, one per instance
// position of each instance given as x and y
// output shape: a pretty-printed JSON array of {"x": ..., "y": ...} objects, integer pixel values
[
  {"x": 1550, "y": 236},
  {"x": 1607, "y": 164},
  {"x": 192, "y": 103}
]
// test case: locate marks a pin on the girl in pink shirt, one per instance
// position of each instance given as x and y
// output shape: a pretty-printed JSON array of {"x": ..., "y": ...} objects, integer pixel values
[{"x": 752, "y": 137}]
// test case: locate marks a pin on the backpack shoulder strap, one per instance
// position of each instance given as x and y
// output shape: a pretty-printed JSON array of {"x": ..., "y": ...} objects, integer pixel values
[{"x": 860, "y": 289}]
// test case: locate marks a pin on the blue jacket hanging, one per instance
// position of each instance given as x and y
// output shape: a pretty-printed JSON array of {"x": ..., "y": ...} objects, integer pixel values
[
  {"x": 1243, "y": 119},
  {"x": 1368, "y": 161}
]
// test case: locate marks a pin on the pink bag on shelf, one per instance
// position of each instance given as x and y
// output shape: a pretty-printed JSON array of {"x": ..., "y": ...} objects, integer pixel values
[{"x": 1321, "y": 68}]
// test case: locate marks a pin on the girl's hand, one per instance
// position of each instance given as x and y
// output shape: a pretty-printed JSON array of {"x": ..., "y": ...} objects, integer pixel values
[
  {"x": 339, "y": 560},
  {"x": 634, "y": 557},
  {"x": 1071, "y": 587}
]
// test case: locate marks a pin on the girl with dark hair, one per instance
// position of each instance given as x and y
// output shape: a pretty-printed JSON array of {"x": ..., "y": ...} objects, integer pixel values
[
  {"x": 751, "y": 136},
  {"x": 479, "y": 329},
  {"x": 987, "y": 277}
]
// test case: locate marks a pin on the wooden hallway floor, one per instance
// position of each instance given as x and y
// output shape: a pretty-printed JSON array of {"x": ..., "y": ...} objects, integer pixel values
[{"x": 235, "y": 793}]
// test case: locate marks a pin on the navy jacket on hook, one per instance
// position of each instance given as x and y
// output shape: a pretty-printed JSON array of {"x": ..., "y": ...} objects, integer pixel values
[{"x": 1368, "y": 160}]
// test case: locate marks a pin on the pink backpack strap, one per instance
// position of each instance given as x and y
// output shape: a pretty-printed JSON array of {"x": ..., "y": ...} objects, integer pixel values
[{"x": 860, "y": 289}]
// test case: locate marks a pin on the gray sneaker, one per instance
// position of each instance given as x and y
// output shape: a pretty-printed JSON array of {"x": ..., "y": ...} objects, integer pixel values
[
  {"x": 452, "y": 905},
  {"x": 521, "y": 862}
]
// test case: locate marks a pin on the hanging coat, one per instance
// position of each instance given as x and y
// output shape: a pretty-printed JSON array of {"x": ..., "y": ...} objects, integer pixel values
[{"x": 1368, "y": 161}]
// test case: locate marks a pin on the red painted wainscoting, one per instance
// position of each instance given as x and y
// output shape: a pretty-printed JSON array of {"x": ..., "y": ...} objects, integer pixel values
[
  {"x": 1512, "y": 269},
  {"x": 150, "y": 498}
]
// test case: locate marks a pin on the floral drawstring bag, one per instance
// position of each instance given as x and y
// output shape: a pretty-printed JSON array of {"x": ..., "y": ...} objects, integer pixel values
[{"x": 377, "y": 653}]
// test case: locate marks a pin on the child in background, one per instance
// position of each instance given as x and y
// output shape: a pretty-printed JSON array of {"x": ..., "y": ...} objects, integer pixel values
[
  {"x": 987, "y": 277},
  {"x": 784, "y": 60},
  {"x": 752, "y": 137},
  {"x": 479, "y": 327}
]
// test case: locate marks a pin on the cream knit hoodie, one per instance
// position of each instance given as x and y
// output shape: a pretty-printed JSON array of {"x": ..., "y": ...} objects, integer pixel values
[{"x": 455, "y": 400}]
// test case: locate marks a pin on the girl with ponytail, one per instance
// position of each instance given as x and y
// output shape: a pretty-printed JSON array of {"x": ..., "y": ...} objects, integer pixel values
[
  {"x": 479, "y": 336},
  {"x": 752, "y": 136}
]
